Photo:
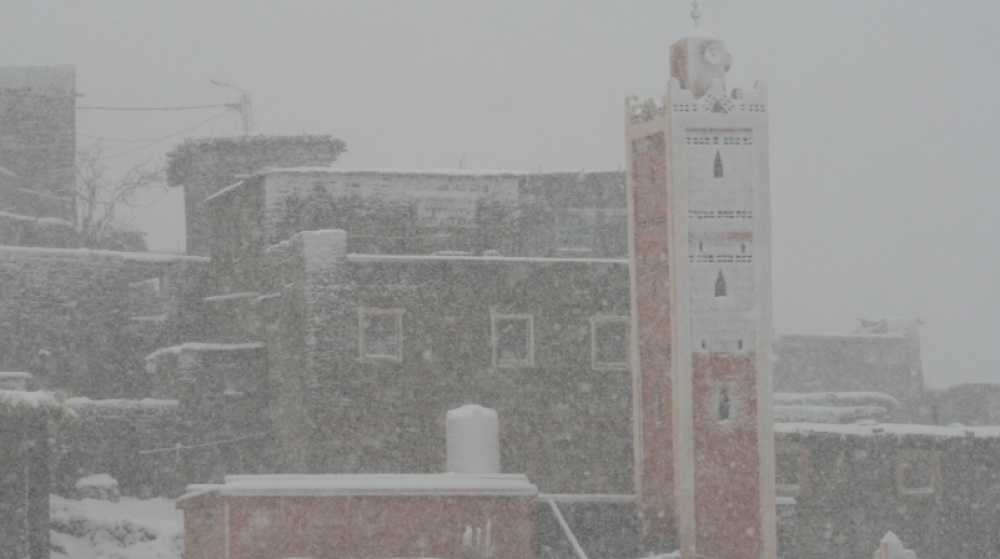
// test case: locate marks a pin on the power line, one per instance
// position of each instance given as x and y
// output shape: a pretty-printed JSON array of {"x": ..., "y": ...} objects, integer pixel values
[
  {"x": 200, "y": 124},
  {"x": 192, "y": 107}
]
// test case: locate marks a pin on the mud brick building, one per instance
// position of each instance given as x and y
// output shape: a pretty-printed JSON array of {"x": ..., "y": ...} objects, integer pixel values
[
  {"x": 38, "y": 140},
  {"x": 204, "y": 166},
  {"x": 365, "y": 353}
]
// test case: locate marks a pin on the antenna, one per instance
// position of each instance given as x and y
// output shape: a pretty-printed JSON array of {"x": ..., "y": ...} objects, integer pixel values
[
  {"x": 695, "y": 14},
  {"x": 244, "y": 106}
]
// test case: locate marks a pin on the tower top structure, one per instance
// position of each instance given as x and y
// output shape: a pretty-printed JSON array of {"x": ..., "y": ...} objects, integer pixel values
[{"x": 698, "y": 58}]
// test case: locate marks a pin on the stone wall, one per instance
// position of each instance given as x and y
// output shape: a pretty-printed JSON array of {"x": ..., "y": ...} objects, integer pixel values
[
  {"x": 38, "y": 139},
  {"x": 203, "y": 166},
  {"x": 65, "y": 316},
  {"x": 110, "y": 436},
  {"x": 887, "y": 362},
  {"x": 844, "y": 486},
  {"x": 564, "y": 423},
  {"x": 28, "y": 231},
  {"x": 420, "y": 212}
]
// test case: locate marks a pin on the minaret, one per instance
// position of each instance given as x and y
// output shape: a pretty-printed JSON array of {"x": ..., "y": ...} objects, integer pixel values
[{"x": 700, "y": 274}]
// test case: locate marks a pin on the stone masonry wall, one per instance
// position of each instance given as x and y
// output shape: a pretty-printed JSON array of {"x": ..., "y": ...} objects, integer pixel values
[
  {"x": 563, "y": 423},
  {"x": 65, "y": 317},
  {"x": 38, "y": 139},
  {"x": 203, "y": 166}
]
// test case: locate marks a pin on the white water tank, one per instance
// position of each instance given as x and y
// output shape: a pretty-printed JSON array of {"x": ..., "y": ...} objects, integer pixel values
[{"x": 473, "y": 435}]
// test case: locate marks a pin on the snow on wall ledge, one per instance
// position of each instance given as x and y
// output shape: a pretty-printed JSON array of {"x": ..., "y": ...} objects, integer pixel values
[
  {"x": 198, "y": 346},
  {"x": 886, "y": 429},
  {"x": 146, "y": 257},
  {"x": 449, "y": 484},
  {"x": 20, "y": 399}
]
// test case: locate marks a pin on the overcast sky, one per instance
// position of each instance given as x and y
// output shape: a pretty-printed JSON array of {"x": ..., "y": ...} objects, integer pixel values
[{"x": 885, "y": 131}]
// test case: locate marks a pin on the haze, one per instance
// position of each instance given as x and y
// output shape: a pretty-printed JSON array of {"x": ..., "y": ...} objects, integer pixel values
[{"x": 884, "y": 127}]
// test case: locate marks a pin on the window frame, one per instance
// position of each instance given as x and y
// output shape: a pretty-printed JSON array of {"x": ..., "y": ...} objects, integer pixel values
[
  {"x": 579, "y": 214},
  {"x": 597, "y": 320},
  {"x": 918, "y": 493},
  {"x": 530, "y": 319},
  {"x": 363, "y": 315},
  {"x": 796, "y": 489}
]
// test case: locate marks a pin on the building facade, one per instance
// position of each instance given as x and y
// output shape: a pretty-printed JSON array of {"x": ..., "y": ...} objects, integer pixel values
[{"x": 699, "y": 252}]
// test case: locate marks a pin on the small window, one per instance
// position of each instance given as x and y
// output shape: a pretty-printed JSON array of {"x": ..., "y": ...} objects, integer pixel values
[
  {"x": 791, "y": 462},
  {"x": 574, "y": 231},
  {"x": 720, "y": 285},
  {"x": 918, "y": 473},
  {"x": 723, "y": 405},
  {"x": 380, "y": 334},
  {"x": 513, "y": 341},
  {"x": 718, "y": 165},
  {"x": 609, "y": 342}
]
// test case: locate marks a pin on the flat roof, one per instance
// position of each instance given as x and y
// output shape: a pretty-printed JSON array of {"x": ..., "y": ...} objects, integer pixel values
[{"x": 358, "y": 485}]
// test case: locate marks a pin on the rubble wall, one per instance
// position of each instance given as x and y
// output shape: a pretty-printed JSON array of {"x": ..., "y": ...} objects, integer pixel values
[
  {"x": 65, "y": 316},
  {"x": 563, "y": 423},
  {"x": 203, "y": 166}
]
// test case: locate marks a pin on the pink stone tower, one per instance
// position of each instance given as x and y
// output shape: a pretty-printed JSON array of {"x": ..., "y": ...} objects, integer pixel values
[{"x": 700, "y": 275}]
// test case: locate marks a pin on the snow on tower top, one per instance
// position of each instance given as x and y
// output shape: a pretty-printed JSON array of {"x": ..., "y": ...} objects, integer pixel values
[{"x": 698, "y": 58}]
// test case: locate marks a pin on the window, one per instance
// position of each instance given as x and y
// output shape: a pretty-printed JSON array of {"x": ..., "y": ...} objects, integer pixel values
[
  {"x": 918, "y": 473},
  {"x": 380, "y": 334},
  {"x": 720, "y": 285},
  {"x": 513, "y": 340},
  {"x": 723, "y": 405},
  {"x": 574, "y": 231},
  {"x": 791, "y": 463},
  {"x": 718, "y": 165},
  {"x": 609, "y": 342}
]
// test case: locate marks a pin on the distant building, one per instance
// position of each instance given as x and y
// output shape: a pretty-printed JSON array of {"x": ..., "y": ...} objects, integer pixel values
[
  {"x": 203, "y": 166},
  {"x": 883, "y": 355},
  {"x": 38, "y": 140},
  {"x": 968, "y": 404}
]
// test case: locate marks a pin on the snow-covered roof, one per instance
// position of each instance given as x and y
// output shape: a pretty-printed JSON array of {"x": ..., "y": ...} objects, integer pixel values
[
  {"x": 835, "y": 399},
  {"x": 145, "y": 403},
  {"x": 431, "y": 172},
  {"x": 894, "y": 334},
  {"x": 152, "y": 257},
  {"x": 11, "y": 400},
  {"x": 228, "y": 296},
  {"x": 587, "y": 497},
  {"x": 38, "y": 220},
  {"x": 826, "y": 414},
  {"x": 881, "y": 429},
  {"x": 402, "y": 258},
  {"x": 199, "y": 346},
  {"x": 448, "y": 484},
  {"x": 97, "y": 480},
  {"x": 224, "y": 191}
]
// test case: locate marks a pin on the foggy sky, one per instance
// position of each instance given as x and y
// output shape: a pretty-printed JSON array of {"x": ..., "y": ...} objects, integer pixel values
[{"x": 885, "y": 135}]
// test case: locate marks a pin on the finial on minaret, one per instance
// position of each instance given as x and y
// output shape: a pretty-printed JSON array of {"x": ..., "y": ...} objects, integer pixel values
[{"x": 695, "y": 14}]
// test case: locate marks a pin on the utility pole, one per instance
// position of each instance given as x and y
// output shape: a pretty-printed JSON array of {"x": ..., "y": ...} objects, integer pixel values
[{"x": 244, "y": 106}]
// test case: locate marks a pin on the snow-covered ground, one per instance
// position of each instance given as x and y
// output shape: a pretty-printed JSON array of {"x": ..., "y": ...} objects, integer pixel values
[{"x": 128, "y": 529}]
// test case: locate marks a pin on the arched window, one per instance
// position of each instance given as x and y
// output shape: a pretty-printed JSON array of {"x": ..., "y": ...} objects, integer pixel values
[
  {"x": 718, "y": 165},
  {"x": 723, "y": 405},
  {"x": 720, "y": 285}
]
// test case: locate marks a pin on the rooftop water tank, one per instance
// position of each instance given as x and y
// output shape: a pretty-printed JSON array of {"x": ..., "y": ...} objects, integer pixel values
[{"x": 473, "y": 435}]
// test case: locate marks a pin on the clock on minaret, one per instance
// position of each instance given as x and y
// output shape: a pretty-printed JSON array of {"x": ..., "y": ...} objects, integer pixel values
[{"x": 700, "y": 261}]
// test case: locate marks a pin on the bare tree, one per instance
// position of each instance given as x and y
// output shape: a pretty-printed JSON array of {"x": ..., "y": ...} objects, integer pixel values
[{"x": 99, "y": 195}]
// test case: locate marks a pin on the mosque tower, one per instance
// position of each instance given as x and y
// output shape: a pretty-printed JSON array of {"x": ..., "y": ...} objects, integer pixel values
[{"x": 700, "y": 275}]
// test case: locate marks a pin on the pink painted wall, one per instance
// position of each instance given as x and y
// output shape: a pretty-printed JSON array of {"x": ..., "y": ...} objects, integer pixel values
[{"x": 361, "y": 527}]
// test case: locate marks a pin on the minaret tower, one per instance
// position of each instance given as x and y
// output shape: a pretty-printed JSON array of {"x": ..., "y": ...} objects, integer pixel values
[{"x": 700, "y": 274}]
